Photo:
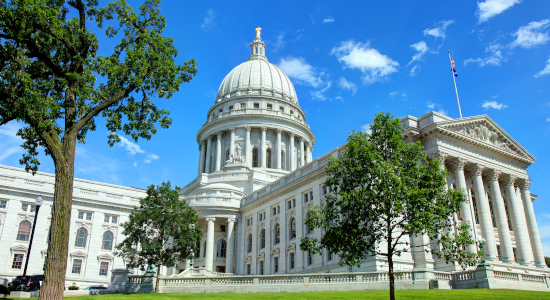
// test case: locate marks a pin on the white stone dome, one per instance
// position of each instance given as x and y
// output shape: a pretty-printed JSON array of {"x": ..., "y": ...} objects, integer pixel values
[{"x": 257, "y": 77}]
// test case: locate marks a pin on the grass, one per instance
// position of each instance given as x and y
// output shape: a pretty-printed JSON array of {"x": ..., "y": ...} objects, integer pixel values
[{"x": 483, "y": 294}]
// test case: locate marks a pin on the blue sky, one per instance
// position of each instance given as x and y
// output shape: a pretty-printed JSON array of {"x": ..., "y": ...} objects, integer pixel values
[{"x": 348, "y": 61}]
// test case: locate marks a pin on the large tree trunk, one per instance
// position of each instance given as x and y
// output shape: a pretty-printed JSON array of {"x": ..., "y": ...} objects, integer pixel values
[{"x": 58, "y": 246}]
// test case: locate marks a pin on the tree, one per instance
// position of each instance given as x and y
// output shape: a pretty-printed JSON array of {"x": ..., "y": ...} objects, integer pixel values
[
  {"x": 161, "y": 231},
  {"x": 547, "y": 261},
  {"x": 386, "y": 190},
  {"x": 53, "y": 79}
]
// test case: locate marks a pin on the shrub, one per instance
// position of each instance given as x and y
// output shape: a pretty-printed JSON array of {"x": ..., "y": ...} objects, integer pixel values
[
  {"x": 73, "y": 288},
  {"x": 4, "y": 289}
]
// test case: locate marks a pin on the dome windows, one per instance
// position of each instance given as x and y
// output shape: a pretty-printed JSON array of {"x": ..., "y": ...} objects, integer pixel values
[
  {"x": 255, "y": 157},
  {"x": 256, "y": 105},
  {"x": 269, "y": 106}
]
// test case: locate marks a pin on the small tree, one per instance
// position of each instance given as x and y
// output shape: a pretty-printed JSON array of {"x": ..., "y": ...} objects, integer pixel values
[
  {"x": 547, "y": 261},
  {"x": 161, "y": 231},
  {"x": 386, "y": 191},
  {"x": 55, "y": 81}
]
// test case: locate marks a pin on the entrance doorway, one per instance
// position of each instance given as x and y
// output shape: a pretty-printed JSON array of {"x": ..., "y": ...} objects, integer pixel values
[{"x": 220, "y": 269}]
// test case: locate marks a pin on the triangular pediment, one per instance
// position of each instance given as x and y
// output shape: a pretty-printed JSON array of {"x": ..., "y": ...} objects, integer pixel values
[{"x": 483, "y": 131}]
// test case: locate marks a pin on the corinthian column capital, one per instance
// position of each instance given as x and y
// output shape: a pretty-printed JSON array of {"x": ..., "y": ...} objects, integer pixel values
[
  {"x": 248, "y": 128},
  {"x": 509, "y": 180},
  {"x": 524, "y": 185},
  {"x": 279, "y": 130},
  {"x": 458, "y": 164},
  {"x": 493, "y": 175},
  {"x": 232, "y": 129},
  {"x": 264, "y": 128},
  {"x": 477, "y": 169}
]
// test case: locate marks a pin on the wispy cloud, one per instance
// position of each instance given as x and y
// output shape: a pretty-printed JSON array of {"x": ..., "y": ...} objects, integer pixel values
[
  {"x": 150, "y": 158},
  {"x": 329, "y": 19},
  {"x": 439, "y": 31},
  {"x": 491, "y": 8},
  {"x": 320, "y": 94},
  {"x": 298, "y": 69},
  {"x": 493, "y": 104},
  {"x": 366, "y": 128},
  {"x": 393, "y": 94},
  {"x": 374, "y": 65},
  {"x": 208, "y": 22},
  {"x": 131, "y": 147},
  {"x": 531, "y": 35},
  {"x": 421, "y": 48},
  {"x": 544, "y": 71},
  {"x": 11, "y": 143},
  {"x": 414, "y": 70},
  {"x": 436, "y": 107},
  {"x": 494, "y": 58},
  {"x": 347, "y": 85}
]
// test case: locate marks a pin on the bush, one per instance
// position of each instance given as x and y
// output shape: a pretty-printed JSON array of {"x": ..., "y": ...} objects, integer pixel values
[
  {"x": 73, "y": 288},
  {"x": 4, "y": 289}
]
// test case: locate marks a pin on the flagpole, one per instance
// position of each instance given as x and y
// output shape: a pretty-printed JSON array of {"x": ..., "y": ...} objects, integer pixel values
[{"x": 454, "y": 80}]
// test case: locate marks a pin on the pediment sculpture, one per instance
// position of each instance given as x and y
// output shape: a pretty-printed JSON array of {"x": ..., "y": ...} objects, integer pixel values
[{"x": 485, "y": 134}]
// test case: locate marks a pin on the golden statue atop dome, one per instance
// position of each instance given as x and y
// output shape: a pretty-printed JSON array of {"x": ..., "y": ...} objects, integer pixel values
[{"x": 258, "y": 32}]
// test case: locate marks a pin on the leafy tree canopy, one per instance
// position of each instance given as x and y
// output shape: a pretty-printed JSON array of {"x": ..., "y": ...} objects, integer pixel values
[
  {"x": 387, "y": 190},
  {"x": 161, "y": 231}
]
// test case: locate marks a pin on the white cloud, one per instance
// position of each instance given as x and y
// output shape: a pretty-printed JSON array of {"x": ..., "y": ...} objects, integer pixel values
[
  {"x": 493, "y": 104},
  {"x": 436, "y": 107},
  {"x": 439, "y": 31},
  {"x": 393, "y": 94},
  {"x": 135, "y": 164},
  {"x": 279, "y": 43},
  {"x": 366, "y": 128},
  {"x": 131, "y": 147},
  {"x": 544, "y": 71},
  {"x": 374, "y": 65},
  {"x": 208, "y": 22},
  {"x": 11, "y": 143},
  {"x": 320, "y": 94},
  {"x": 299, "y": 70},
  {"x": 421, "y": 48},
  {"x": 530, "y": 35},
  {"x": 347, "y": 85},
  {"x": 495, "y": 57},
  {"x": 150, "y": 158},
  {"x": 491, "y": 8},
  {"x": 329, "y": 19},
  {"x": 413, "y": 71}
]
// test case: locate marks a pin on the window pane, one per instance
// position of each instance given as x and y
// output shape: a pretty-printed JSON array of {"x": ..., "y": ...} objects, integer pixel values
[
  {"x": 104, "y": 268},
  {"x": 106, "y": 219},
  {"x": 24, "y": 231},
  {"x": 77, "y": 265},
  {"x": 33, "y": 208},
  {"x": 107, "y": 243},
  {"x": 255, "y": 157},
  {"x": 81, "y": 215},
  {"x": 24, "y": 207},
  {"x": 89, "y": 216},
  {"x": 17, "y": 261},
  {"x": 114, "y": 219},
  {"x": 81, "y": 237},
  {"x": 3, "y": 204}
]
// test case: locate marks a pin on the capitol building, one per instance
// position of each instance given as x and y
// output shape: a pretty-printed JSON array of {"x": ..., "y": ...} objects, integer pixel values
[{"x": 256, "y": 181}]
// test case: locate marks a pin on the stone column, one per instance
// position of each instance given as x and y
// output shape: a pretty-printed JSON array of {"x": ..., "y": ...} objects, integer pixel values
[
  {"x": 301, "y": 153},
  {"x": 531, "y": 222},
  {"x": 502, "y": 220},
  {"x": 248, "y": 149},
  {"x": 201, "y": 158},
  {"x": 263, "y": 148},
  {"x": 307, "y": 153},
  {"x": 230, "y": 245},
  {"x": 484, "y": 211},
  {"x": 291, "y": 152},
  {"x": 520, "y": 228},
  {"x": 208, "y": 151},
  {"x": 219, "y": 151},
  {"x": 232, "y": 142},
  {"x": 465, "y": 212},
  {"x": 209, "y": 251},
  {"x": 279, "y": 148}
]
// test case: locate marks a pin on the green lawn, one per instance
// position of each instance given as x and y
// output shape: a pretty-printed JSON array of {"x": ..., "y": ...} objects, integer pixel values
[{"x": 400, "y": 295}]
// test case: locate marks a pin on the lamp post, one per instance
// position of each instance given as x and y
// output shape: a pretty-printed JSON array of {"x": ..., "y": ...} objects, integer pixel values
[
  {"x": 481, "y": 241},
  {"x": 37, "y": 203}
]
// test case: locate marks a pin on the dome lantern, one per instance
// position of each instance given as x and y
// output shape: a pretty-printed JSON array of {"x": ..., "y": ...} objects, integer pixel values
[{"x": 257, "y": 48}]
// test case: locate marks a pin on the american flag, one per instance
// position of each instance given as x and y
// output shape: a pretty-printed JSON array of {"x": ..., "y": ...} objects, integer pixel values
[{"x": 453, "y": 67}]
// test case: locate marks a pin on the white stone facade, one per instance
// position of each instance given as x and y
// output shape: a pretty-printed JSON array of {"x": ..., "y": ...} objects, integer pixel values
[{"x": 257, "y": 180}]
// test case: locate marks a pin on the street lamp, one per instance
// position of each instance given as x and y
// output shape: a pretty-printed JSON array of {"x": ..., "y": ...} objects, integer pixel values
[
  {"x": 481, "y": 242},
  {"x": 38, "y": 202}
]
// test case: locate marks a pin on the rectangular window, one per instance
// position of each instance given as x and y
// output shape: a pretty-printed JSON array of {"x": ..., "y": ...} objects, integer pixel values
[
  {"x": 276, "y": 264},
  {"x": 3, "y": 204},
  {"x": 89, "y": 216},
  {"x": 289, "y": 204},
  {"x": 281, "y": 109},
  {"x": 77, "y": 266},
  {"x": 220, "y": 111},
  {"x": 106, "y": 219},
  {"x": 329, "y": 256},
  {"x": 222, "y": 228},
  {"x": 310, "y": 196},
  {"x": 262, "y": 267},
  {"x": 33, "y": 208},
  {"x": 293, "y": 202},
  {"x": 24, "y": 206},
  {"x": 309, "y": 258},
  {"x": 291, "y": 112},
  {"x": 114, "y": 219},
  {"x": 256, "y": 105},
  {"x": 17, "y": 261},
  {"x": 274, "y": 211},
  {"x": 81, "y": 215},
  {"x": 291, "y": 261},
  {"x": 306, "y": 198},
  {"x": 243, "y": 105},
  {"x": 230, "y": 107},
  {"x": 104, "y": 268},
  {"x": 269, "y": 106},
  {"x": 248, "y": 269}
]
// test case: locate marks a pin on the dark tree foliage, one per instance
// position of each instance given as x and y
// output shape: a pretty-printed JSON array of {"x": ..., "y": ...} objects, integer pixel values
[
  {"x": 53, "y": 80},
  {"x": 547, "y": 261},
  {"x": 161, "y": 231},
  {"x": 386, "y": 191}
]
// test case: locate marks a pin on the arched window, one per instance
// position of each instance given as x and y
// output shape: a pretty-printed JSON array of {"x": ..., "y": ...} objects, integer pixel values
[
  {"x": 249, "y": 243},
  {"x": 268, "y": 158},
  {"x": 283, "y": 160},
  {"x": 81, "y": 237},
  {"x": 24, "y": 231},
  {"x": 222, "y": 248},
  {"x": 277, "y": 234},
  {"x": 107, "y": 243},
  {"x": 262, "y": 238},
  {"x": 198, "y": 252},
  {"x": 255, "y": 157},
  {"x": 292, "y": 228}
]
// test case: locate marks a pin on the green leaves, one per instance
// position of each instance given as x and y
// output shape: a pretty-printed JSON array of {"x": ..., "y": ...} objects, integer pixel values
[{"x": 161, "y": 231}]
